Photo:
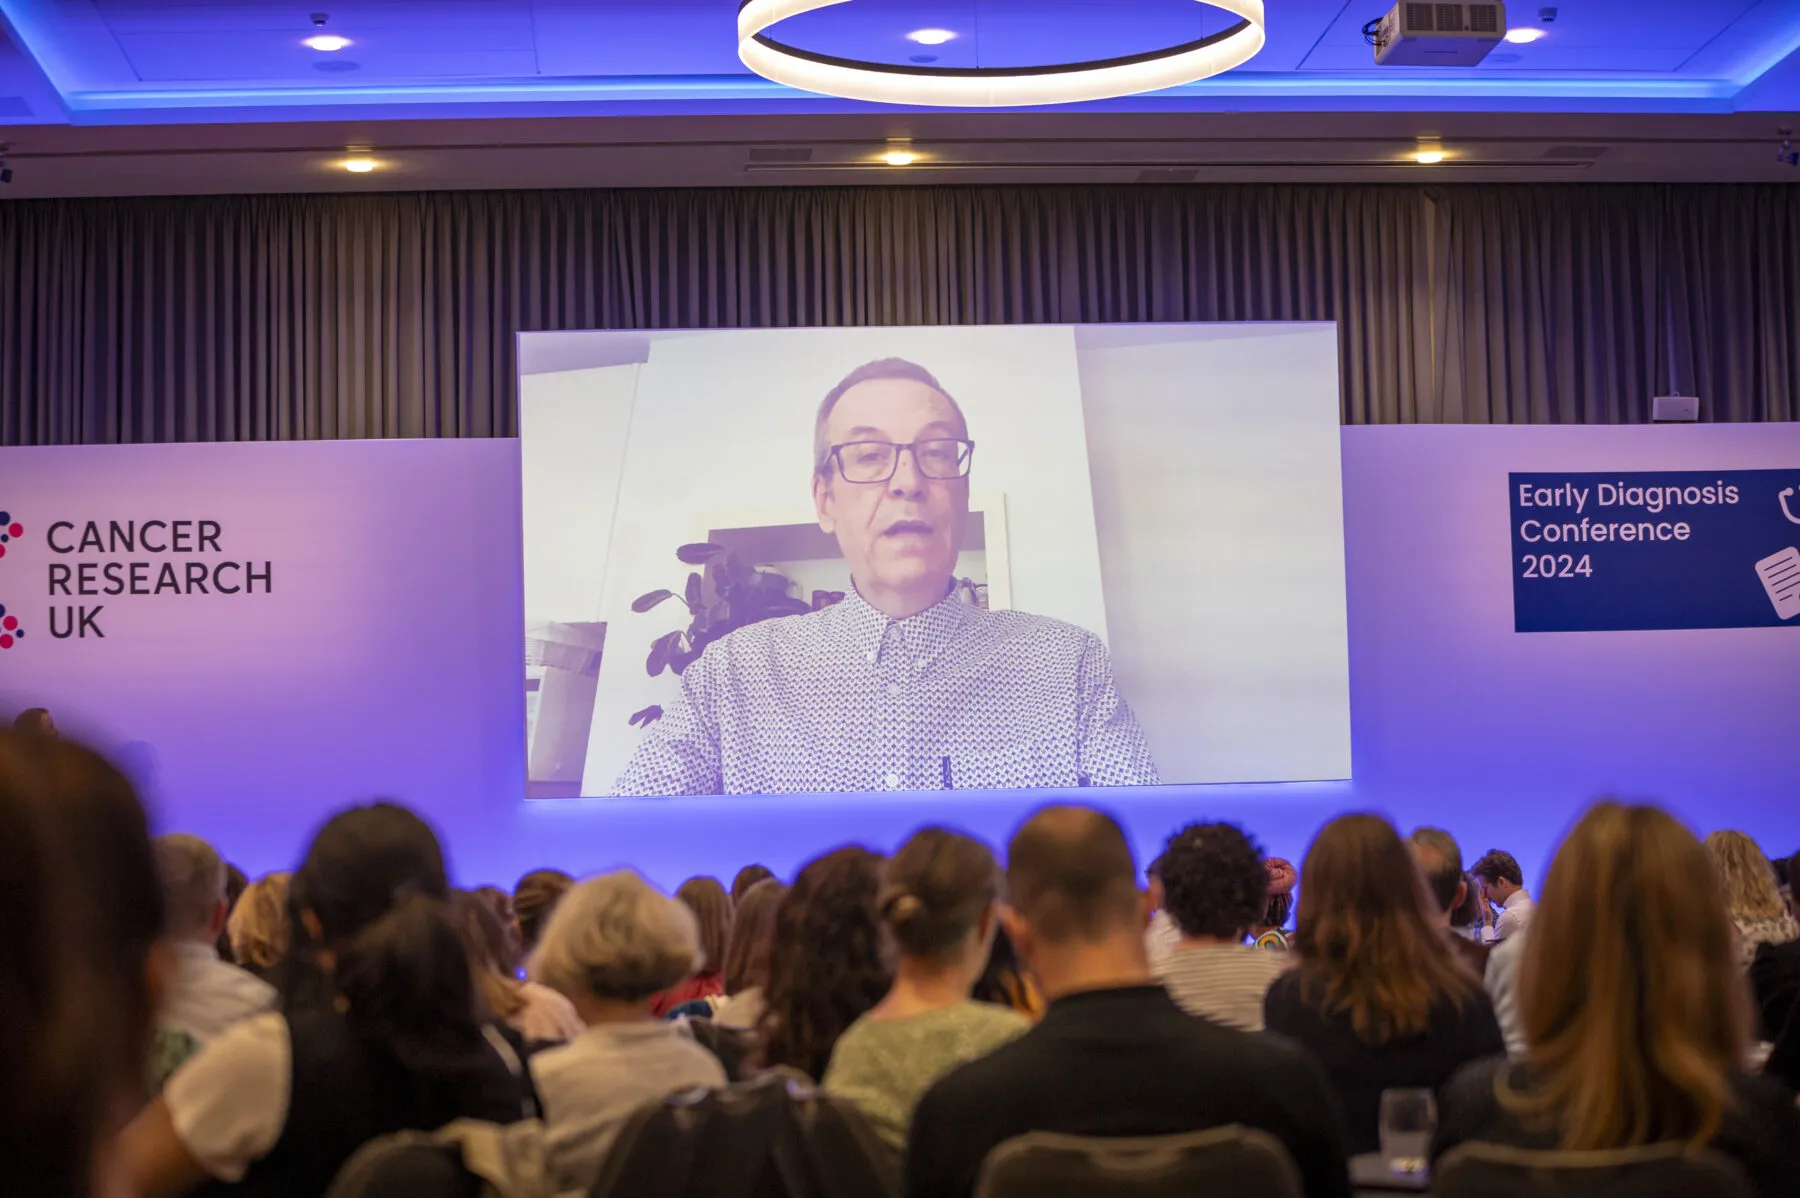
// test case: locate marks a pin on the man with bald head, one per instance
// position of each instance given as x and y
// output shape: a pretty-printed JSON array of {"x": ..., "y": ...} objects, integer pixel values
[
  {"x": 1114, "y": 1055},
  {"x": 902, "y": 686}
]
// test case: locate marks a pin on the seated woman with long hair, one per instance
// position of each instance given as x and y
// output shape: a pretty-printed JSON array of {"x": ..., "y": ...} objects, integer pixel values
[
  {"x": 940, "y": 902},
  {"x": 258, "y": 926},
  {"x": 537, "y": 1014},
  {"x": 379, "y": 1030},
  {"x": 826, "y": 965},
  {"x": 1375, "y": 994},
  {"x": 1636, "y": 1025},
  {"x": 747, "y": 956}
]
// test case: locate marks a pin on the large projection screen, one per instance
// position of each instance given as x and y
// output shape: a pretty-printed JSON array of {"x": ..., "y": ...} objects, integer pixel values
[{"x": 1101, "y": 555}]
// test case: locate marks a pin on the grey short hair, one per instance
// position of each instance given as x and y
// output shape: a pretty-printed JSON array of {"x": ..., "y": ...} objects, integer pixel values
[
  {"x": 881, "y": 368},
  {"x": 617, "y": 937},
  {"x": 193, "y": 881}
]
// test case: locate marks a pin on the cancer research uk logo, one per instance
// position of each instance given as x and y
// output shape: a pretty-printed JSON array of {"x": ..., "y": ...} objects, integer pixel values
[
  {"x": 9, "y": 531},
  {"x": 10, "y": 632}
]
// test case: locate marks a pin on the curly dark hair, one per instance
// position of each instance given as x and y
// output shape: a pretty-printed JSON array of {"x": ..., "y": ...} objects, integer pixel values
[
  {"x": 1214, "y": 881},
  {"x": 826, "y": 965}
]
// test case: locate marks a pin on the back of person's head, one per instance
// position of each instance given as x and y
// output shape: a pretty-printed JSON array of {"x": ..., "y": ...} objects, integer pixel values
[
  {"x": 35, "y": 721},
  {"x": 711, "y": 906},
  {"x": 372, "y": 892},
  {"x": 747, "y": 877},
  {"x": 618, "y": 938},
  {"x": 533, "y": 899},
  {"x": 235, "y": 884},
  {"x": 825, "y": 960},
  {"x": 935, "y": 890},
  {"x": 752, "y": 927},
  {"x": 1745, "y": 876},
  {"x": 1004, "y": 982},
  {"x": 1440, "y": 859},
  {"x": 1368, "y": 950},
  {"x": 499, "y": 902},
  {"x": 193, "y": 880},
  {"x": 1468, "y": 912},
  {"x": 1070, "y": 877},
  {"x": 1497, "y": 865},
  {"x": 1214, "y": 881},
  {"x": 489, "y": 945},
  {"x": 258, "y": 926},
  {"x": 1630, "y": 1002},
  {"x": 78, "y": 986}
]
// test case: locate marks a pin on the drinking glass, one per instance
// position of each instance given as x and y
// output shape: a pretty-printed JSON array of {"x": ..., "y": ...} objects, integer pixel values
[{"x": 1408, "y": 1121}]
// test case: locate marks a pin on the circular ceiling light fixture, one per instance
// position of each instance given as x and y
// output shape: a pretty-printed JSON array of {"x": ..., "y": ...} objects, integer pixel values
[
  {"x": 930, "y": 37},
  {"x": 328, "y": 42},
  {"x": 1524, "y": 35},
  {"x": 1428, "y": 156},
  {"x": 990, "y": 87},
  {"x": 359, "y": 165},
  {"x": 899, "y": 157}
]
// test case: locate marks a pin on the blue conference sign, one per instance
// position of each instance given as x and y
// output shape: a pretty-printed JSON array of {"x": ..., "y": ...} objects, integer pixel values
[{"x": 1656, "y": 550}]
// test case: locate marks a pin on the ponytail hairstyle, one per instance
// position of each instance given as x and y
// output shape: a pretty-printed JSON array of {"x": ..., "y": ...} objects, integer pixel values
[
  {"x": 373, "y": 895},
  {"x": 935, "y": 890}
]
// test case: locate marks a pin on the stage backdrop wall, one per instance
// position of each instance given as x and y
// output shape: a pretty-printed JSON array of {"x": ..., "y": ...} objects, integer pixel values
[{"x": 378, "y": 653}]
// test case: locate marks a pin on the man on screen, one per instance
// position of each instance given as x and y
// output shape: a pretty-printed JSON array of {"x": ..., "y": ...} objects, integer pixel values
[{"x": 902, "y": 686}]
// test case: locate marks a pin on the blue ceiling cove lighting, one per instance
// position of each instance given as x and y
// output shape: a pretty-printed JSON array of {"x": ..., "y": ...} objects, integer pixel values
[{"x": 148, "y": 61}]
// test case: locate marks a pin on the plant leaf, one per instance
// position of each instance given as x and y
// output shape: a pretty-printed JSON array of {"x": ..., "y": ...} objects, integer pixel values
[
  {"x": 644, "y": 603},
  {"x": 699, "y": 553},
  {"x": 647, "y": 716},
  {"x": 693, "y": 593},
  {"x": 660, "y": 650}
]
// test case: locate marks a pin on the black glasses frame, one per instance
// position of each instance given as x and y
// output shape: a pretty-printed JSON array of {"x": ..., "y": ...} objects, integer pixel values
[{"x": 966, "y": 458}]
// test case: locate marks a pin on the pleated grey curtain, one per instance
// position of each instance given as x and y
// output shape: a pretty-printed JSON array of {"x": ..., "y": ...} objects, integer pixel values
[{"x": 248, "y": 318}]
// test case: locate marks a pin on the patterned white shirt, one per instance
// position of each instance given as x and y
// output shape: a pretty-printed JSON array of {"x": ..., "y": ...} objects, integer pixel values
[{"x": 845, "y": 699}]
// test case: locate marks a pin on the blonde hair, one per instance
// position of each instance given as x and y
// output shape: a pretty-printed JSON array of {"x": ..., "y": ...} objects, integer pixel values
[
  {"x": 258, "y": 927},
  {"x": 617, "y": 937},
  {"x": 1636, "y": 1022},
  {"x": 1745, "y": 876}
]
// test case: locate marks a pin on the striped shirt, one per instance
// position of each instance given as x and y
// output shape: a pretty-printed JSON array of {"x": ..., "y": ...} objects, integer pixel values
[{"x": 1223, "y": 982}]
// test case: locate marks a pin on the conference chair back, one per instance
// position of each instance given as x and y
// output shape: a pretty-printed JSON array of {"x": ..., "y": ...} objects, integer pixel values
[
  {"x": 1478, "y": 1170},
  {"x": 1222, "y": 1160}
]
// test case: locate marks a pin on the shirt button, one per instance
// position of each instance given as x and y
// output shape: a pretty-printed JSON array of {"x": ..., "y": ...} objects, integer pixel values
[
  {"x": 920, "y": 664},
  {"x": 871, "y": 656},
  {"x": 894, "y": 689},
  {"x": 893, "y": 781}
]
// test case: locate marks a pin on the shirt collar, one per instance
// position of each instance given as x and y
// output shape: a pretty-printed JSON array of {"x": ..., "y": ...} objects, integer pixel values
[
  {"x": 193, "y": 950},
  {"x": 919, "y": 636},
  {"x": 1515, "y": 898}
]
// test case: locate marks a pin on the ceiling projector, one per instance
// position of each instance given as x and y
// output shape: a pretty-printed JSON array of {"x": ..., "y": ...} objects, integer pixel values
[{"x": 1417, "y": 33}]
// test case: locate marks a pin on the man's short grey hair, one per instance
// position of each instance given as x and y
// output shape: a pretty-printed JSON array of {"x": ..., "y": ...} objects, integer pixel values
[
  {"x": 881, "y": 368},
  {"x": 1445, "y": 874},
  {"x": 617, "y": 937},
  {"x": 193, "y": 882}
]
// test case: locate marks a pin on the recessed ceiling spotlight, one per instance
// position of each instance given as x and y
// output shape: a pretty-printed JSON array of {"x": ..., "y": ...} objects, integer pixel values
[
  {"x": 327, "y": 42},
  {"x": 899, "y": 157},
  {"x": 1429, "y": 156},
  {"x": 1524, "y": 35},
  {"x": 930, "y": 37},
  {"x": 359, "y": 166}
]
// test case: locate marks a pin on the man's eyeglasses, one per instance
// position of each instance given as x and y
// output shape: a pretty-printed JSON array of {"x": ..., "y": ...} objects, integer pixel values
[{"x": 876, "y": 461}]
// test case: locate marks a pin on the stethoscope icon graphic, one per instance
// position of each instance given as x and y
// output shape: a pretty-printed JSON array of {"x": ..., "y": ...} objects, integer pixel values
[{"x": 1785, "y": 509}]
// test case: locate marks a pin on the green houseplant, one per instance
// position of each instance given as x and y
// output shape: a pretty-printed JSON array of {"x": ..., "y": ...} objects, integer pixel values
[{"x": 723, "y": 595}]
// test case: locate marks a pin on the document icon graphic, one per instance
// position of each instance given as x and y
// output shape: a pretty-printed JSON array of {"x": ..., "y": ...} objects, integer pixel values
[{"x": 1780, "y": 576}]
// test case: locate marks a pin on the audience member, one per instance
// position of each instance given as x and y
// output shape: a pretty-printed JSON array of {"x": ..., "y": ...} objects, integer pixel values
[
  {"x": 1472, "y": 916},
  {"x": 939, "y": 901},
  {"x": 1161, "y": 937},
  {"x": 500, "y": 903},
  {"x": 825, "y": 960},
  {"x": 1271, "y": 933},
  {"x": 1501, "y": 981},
  {"x": 747, "y": 956},
  {"x": 537, "y": 1013},
  {"x": 35, "y": 721},
  {"x": 1006, "y": 982},
  {"x": 1113, "y": 1055},
  {"x": 612, "y": 944},
  {"x": 712, "y": 908},
  {"x": 235, "y": 885},
  {"x": 1217, "y": 890},
  {"x": 1752, "y": 897},
  {"x": 1439, "y": 858},
  {"x": 1503, "y": 885},
  {"x": 379, "y": 1034},
  {"x": 533, "y": 899},
  {"x": 1636, "y": 1027},
  {"x": 206, "y": 995},
  {"x": 82, "y": 969},
  {"x": 747, "y": 877},
  {"x": 1374, "y": 996},
  {"x": 258, "y": 927}
]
